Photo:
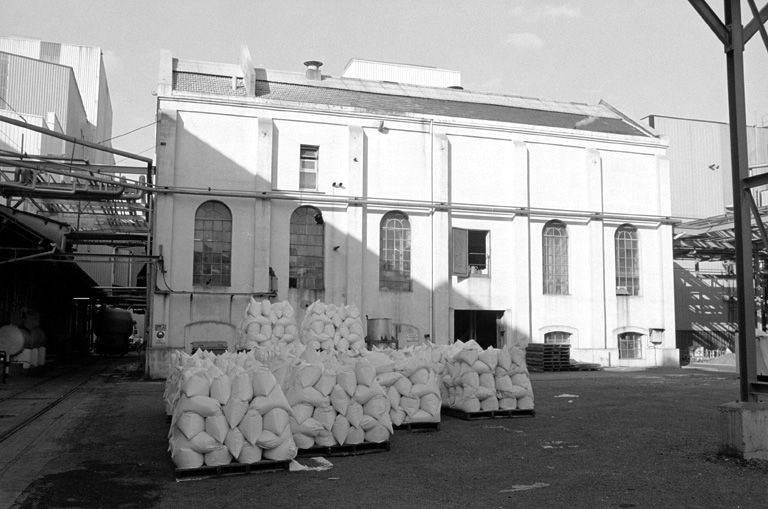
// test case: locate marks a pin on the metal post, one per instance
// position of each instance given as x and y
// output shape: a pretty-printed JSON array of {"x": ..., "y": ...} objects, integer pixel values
[{"x": 745, "y": 293}]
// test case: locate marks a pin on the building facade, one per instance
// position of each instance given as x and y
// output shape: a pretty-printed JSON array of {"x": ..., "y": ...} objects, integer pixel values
[
  {"x": 702, "y": 201},
  {"x": 467, "y": 215}
]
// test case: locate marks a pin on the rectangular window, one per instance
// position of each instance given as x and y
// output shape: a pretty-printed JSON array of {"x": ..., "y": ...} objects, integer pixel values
[
  {"x": 308, "y": 167},
  {"x": 470, "y": 252}
]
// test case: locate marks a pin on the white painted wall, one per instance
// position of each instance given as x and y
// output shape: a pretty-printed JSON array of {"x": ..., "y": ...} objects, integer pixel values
[{"x": 252, "y": 149}]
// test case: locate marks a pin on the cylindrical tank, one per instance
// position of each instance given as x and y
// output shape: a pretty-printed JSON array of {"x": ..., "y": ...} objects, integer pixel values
[
  {"x": 113, "y": 328},
  {"x": 379, "y": 328}
]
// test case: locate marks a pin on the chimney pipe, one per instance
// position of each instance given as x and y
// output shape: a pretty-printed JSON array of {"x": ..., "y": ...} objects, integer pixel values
[{"x": 313, "y": 70}]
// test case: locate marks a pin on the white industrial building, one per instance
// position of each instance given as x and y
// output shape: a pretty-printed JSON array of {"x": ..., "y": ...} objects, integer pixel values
[
  {"x": 464, "y": 214},
  {"x": 59, "y": 86}
]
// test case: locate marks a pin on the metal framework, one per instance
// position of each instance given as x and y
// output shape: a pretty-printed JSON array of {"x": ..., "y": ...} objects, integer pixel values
[
  {"x": 108, "y": 205},
  {"x": 733, "y": 35}
]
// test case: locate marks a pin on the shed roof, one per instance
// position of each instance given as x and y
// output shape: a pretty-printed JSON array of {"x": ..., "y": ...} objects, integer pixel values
[{"x": 398, "y": 98}]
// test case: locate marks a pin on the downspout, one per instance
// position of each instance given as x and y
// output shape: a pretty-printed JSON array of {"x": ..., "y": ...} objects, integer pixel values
[
  {"x": 432, "y": 230},
  {"x": 530, "y": 263},
  {"x": 602, "y": 250}
]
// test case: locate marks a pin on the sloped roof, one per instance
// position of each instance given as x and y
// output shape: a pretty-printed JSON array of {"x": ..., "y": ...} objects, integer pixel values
[{"x": 397, "y": 98}]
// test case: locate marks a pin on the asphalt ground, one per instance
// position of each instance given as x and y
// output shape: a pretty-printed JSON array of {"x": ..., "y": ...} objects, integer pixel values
[{"x": 612, "y": 438}]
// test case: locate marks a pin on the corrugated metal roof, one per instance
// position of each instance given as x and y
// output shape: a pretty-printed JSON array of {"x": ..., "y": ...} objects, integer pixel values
[{"x": 400, "y": 99}]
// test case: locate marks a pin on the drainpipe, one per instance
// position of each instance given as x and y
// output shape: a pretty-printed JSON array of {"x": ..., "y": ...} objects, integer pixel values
[{"x": 432, "y": 230}]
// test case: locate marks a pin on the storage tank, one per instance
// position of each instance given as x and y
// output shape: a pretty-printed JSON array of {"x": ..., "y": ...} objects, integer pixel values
[{"x": 113, "y": 328}]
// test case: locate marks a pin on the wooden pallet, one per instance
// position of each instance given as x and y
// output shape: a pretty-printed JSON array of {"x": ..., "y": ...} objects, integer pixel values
[
  {"x": 418, "y": 426},
  {"x": 346, "y": 450},
  {"x": 487, "y": 414},
  {"x": 206, "y": 472}
]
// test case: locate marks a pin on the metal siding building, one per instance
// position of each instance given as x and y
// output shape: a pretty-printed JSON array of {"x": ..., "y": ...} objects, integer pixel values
[{"x": 700, "y": 159}]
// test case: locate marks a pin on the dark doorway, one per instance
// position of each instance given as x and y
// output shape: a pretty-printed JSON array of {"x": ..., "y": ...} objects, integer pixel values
[{"x": 482, "y": 326}]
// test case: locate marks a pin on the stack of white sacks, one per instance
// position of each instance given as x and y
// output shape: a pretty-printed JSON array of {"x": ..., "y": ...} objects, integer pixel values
[
  {"x": 336, "y": 400},
  {"x": 411, "y": 380},
  {"x": 226, "y": 408},
  {"x": 265, "y": 322},
  {"x": 474, "y": 379},
  {"x": 329, "y": 327}
]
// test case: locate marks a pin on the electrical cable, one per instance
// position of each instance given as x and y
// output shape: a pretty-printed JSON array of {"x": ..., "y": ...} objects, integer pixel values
[{"x": 128, "y": 132}]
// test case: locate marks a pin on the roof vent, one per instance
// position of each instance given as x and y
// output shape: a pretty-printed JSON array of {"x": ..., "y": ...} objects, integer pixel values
[{"x": 313, "y": 70}]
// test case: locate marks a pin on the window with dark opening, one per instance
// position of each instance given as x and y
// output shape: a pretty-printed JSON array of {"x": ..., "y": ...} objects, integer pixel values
[{"x": 470, "y": 252}]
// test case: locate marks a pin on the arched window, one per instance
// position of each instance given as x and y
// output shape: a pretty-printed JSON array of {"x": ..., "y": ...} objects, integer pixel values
[
  {"x": 630, "y": 346},
  {"x": 627, "y": 264},
  {"x": 557, "y": 337},
  {"x": 395, "y": 252},
  {"x": 212, "y": 260},
  {"x": 555, "y": 258},
  {"x": 305, "y": 264}
]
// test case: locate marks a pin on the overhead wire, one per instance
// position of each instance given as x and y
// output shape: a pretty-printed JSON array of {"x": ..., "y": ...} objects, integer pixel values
[{"x": 128, "y": 132}]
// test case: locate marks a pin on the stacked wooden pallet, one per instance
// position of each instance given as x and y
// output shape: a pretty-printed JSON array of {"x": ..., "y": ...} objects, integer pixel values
[{"x": 548, "y": 357}]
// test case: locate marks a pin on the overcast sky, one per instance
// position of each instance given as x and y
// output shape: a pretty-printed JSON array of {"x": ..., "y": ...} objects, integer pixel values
[{"x": 642, "y": 56}]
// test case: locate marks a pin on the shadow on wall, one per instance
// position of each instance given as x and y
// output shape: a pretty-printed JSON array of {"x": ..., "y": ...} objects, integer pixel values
[
  {"x": 183, "y": 302},
  {"x": 705, "y": 309}
]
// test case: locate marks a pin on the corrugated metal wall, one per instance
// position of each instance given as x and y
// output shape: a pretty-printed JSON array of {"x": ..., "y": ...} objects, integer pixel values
[
  {"x": 57, "y": 90},
  {"x": 85, "y": 62},
  {"x": 700, "y": 164},
  {"x": 26, "y": 47}
]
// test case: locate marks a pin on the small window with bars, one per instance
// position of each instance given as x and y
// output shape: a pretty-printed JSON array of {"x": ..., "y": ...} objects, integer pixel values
[
  {"x": 630, "y": 346},
  {"x": 308, "y": 167},
  {"x": 557, "y": 338}
]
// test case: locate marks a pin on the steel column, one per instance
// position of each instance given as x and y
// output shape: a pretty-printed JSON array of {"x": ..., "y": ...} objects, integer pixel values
[{"x": 745, "y": 291}]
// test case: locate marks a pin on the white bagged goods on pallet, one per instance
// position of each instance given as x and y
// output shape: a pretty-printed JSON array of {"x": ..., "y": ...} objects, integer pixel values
[
  {"x": 411, "y": 381},
  {"x": 329, "y": 327},
  {"x": 267, "y": 323},
  {"x": 336, "y": 401},
  {"x": 226, "y": 408},
  {"x": 476, "y": 379}
]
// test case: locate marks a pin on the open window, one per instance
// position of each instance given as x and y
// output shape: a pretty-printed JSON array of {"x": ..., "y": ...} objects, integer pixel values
[{"x": 470, "y": 252}]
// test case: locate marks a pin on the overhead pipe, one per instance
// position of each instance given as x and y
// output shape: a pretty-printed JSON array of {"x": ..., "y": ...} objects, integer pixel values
[{"x": 357, "y": 200}]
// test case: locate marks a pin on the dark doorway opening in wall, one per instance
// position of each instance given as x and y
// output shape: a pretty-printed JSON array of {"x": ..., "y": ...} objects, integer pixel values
[{"x": 482, "y": 326}]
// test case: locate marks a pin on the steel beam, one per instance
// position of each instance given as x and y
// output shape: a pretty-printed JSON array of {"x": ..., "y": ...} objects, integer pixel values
[
  {"x": 711, "y": 19},
  {"x": 745, "y": 291},
  {"x": 755, "y": 24}
]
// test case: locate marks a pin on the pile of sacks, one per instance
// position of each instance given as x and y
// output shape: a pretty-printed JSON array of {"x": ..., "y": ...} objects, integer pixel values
[
  {"x": 226, "y": 407},
  {"x": 474, "y": 379},
  {"x": 329, "y": 327},
  {"x": 412, "y": 383},
  {"x": 265, "y": 322},
  {"x": 336, "y": 401}
]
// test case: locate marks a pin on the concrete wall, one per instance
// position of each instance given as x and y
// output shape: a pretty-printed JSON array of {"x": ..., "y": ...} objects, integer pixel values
[{"x": 530, "y": 177}]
